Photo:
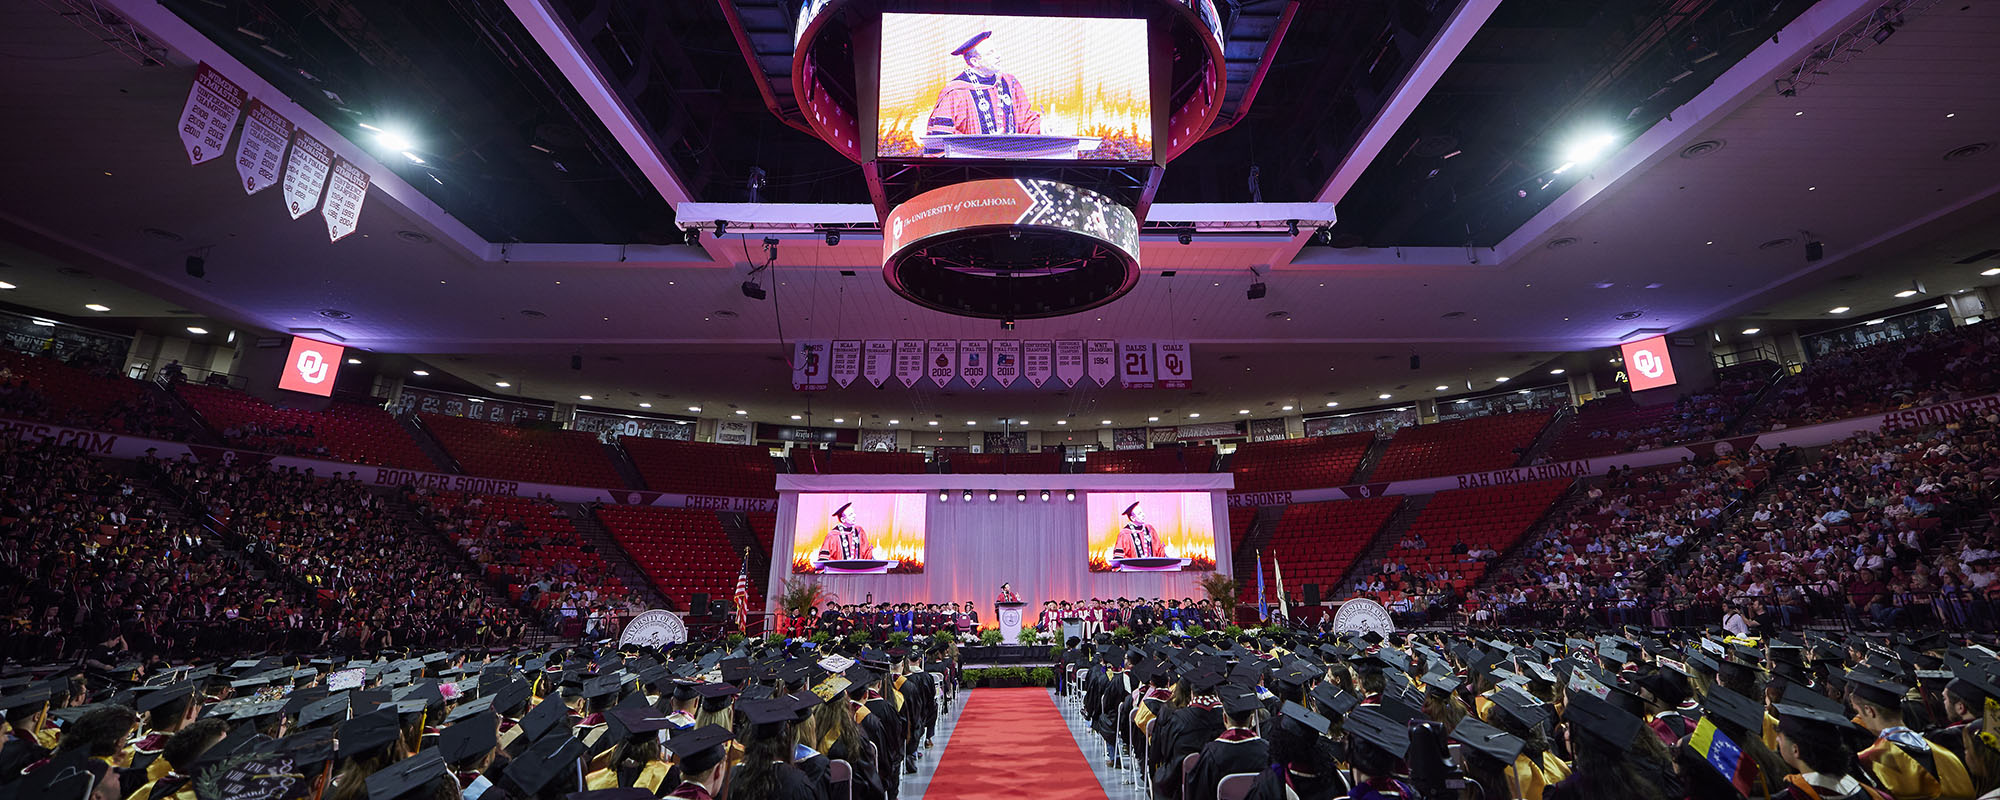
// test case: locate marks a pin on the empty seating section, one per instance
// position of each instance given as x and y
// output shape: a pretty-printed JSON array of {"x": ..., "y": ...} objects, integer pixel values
[
  {"x": 1319, "y": 542},
  {"x": 496, "y": 450},
  {"x": 816, "y": 462},
  {"x": 67, "y": 395},
  {"x": 1046, "y": 462},
  {"x": 1488, "y": 518},
  {"x": 1459, "y": 446},
  {"x": 1154, "y": 461},
  {"x": 348, "y": 432},
  {"x": 1307, "y": 463},
  {"x": 520, "y": 540},
  {"x": 727, "y": 470},
  {"x": 683, "y": 551},
  {"x": 764, "y": 525}
]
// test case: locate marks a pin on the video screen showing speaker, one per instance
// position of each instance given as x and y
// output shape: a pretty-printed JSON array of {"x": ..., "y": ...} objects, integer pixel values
[
  {"x": 990, "y": 86},
  {"x": 852, "y": 533},
  {"x": 1150, "y": 531}
]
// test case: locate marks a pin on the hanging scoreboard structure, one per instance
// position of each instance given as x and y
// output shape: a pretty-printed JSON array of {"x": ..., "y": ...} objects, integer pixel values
[{"x": 1019, "y": 248}]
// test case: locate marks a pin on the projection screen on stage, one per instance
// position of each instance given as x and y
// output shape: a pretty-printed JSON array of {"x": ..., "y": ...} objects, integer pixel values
[{"x": 970, "y": 548}]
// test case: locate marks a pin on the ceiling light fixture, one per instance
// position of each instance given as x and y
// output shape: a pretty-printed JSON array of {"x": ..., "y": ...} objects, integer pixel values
[
  {"x": 585, "y": 397},
  {"x": 1443, "y": 388},
  {"x": 1557, "y": 371},
  {"x": 97, "y": 307},
  {"x": 1875, "y": 322},
  {"x": 1502, "y": 379},
  {"x": 895, "y": 422},
  {"x": 932, "y": 422},
  {"x": 695, "y": 409},
  {"x": 1382, "y": 396},
  {"x": 6, "y": 285},
  {"x": 354, "y": 361},
  {"x": 1242, "y": 411},
  {"x": 1752, "y": 331},
  {"x": 198, "y": 331},
  {"x": 742, "y": 413},
  {"x": 502, "y": 384},
  {"x": 1838, "y": 310},
  {"x": 1104, "y": 422},
  {"x": 1285, "y": 408},
  {"x": 1988, "y": 273},
  {"x": 1907, "y": 293},
  {"x": 1194, "y": 415},
  {"x": 645, "y": 405},
  {"x": 971, "y": 422},
  {"x": 421, "y": 373},
  {"x": 1332, "y": 403},
  {"x": 1152, "y": 419},
  {"x": 839, "y": 420},
  {"x": 796, "y": 417}
]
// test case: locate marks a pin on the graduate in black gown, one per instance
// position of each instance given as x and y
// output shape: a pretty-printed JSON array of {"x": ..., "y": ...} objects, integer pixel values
[
  {"x": 1185, "y": 732},
  {"x": 1305, "y": 764},
  {"x": 1239, "y": 749},
  {"x": 767, "y": 771}
]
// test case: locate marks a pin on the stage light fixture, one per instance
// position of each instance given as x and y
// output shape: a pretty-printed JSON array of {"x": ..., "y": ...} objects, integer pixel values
[
  {"x": 752, "y": 290},
  {"x": 992, "y": 496},
  {"x": 1006, "y": 324},
  {"x": 1186, "y": 236},
  {"x": 944, "y": 496},
  {"x": 1291, "y": 227},
  {"x": 1045, "y": 495},
  {"x": 833, "y": 238},
  {"x": 1070, "y": 495},
  {"x": 1586, "y": 149},
  {"x": 1020, "y": 495},
  {"x": 967, "y": 496},
  {"x": 1257, "y": 291},
  {"x": 721, "y": 228},
  {"x": 1883, "y": 33},
  {"x": 1815, "y": 250}
]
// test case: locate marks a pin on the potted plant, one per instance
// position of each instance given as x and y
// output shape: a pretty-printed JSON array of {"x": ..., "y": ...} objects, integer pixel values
[
  {"x": 1221, "y": 590},
  {"x": 801, "y": 594},
  {"x": 989, "y": 637}
]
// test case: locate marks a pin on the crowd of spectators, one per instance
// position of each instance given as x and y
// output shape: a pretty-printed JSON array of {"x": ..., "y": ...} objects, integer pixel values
[
  {"x": 1936, "y": 367},
  {"x": 285, "y": 440},
  {"x": 376, "y": 581},
  {"x": 513, "y": 539},
  {"x": 90, "y": 559}
]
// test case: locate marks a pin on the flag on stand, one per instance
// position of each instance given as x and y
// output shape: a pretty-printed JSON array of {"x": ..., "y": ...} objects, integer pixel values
[
  {"x": 1263, "y": 605},
  {"x": 742, "y": 596},
  {"x": 1284, "y": 604}
]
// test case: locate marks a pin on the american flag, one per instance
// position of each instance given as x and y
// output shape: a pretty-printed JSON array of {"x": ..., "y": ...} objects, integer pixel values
[{"x": 742, "y": 596}]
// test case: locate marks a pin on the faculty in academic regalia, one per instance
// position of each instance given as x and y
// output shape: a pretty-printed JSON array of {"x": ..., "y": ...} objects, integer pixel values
[
  {"x": 1136, "y": 538},
  {"x": 982, "y": 99}
]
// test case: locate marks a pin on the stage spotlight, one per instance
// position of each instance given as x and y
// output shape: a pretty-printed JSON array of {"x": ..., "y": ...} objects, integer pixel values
[
  {"x": 967, "y": 497},
  {"x": 1256, "y": 291},
  {"x": 1006, "y": 324},
  {"x": 992, "y": 496},
  {"x": 1291, "y": 227},
  {"x": 1815, "y": 250},
  {"x": 833, "y": 238},
  {"x": 1586, "y": 149},
  {"x": 1020, "y": 495},
  {"x": 1070, "y": 495},
  {"x": 944, "y": 496},
  {"x": 721, "y": 228},
  {"x": 1045, "y": 495},
  {"x": 752, "y": 290},
  {"x": 197, "y": 266},
  {"x": 1883, "y": 33},
  {"x": 1186, "y": 236}
]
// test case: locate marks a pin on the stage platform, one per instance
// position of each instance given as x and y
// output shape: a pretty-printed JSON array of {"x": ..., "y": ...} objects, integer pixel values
[{"x": 1023, "y": 655}]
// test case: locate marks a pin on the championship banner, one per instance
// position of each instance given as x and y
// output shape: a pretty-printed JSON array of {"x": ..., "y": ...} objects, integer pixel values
[
  {"x": 878, "y": 361},
  {"x": 809, "y": 365},
  {"x": 1135, "y": 365},
  {"x": 1006, "y": 361},
  {"x": 1069, "y": 361},
  {"x": 1037, "y": 362},
  {"x": 345, "y": 192},
  {"x": 260, "y": 154},
  {"x": 972, "y": 362},
  {"x": 909, "y": 361},
  {"x": 609, "y": 427},
  {"x": 305, "y": 173},
  {"x": 846, "y": 361},
  {"x": 1104, "y": 361},
  {"x": 425, "y": 401},
  {"x": 942, "y": 362},
  {"x": 210, "y": 114},
  {"x": 1175, "y": 368}
]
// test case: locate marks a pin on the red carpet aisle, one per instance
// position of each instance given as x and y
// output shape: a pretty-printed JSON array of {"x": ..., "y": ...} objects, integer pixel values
[{"x": 1011, "y": 744}]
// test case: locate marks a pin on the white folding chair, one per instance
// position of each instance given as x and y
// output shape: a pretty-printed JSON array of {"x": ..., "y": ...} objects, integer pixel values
[
  {"x": 839, "y": 772},
  {"x": 1236, "y": 786}
]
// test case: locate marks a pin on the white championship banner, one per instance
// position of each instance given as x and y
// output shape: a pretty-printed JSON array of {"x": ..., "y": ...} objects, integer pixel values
[
  {"x": 942, "y": 361},
  {"x": 1069, "y": 361},
  {"x": 846, "y": 362},
  {"x": 1135, "y": 365},
  {"x": 909, "y": 361},
  {"x": 972, "y": 362},
  {"x": 346, "y": 190},
  {"x": 809, "y": 365},
  {"x": 1038, "y": 362},
  {"x": 878, "y": 361},
  {"x": 260, "y": 152},
  {"x": 305, "y": 173},
  {"x": 1006, "y": 361},
  {"x": 1104, "y": 361},
  {"x": 209, "y": 117}
]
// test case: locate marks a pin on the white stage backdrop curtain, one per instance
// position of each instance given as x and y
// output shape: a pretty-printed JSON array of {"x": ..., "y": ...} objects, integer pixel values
[{"x": 971, "y": 548}]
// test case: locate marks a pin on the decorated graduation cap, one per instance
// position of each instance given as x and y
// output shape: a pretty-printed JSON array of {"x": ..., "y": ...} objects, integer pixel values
[
  {"x": 699, "y": 750},
  {"x": 1500, "y": 746}
]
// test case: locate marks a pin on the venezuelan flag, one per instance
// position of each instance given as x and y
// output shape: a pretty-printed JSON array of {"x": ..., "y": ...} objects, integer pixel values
[{"x": 1722, "y": 753}]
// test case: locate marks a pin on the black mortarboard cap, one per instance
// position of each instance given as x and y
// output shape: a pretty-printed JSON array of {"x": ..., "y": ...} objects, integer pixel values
[
  {"x": 1306, "y": 717},
  {"x": 547, "y": 760},
  {"x": 548, "y": 715},
  {"x": 700, "y": 749},
  {"x": 465, "y": 741},
  {"x": 962, "y": 50},
  {"x": 1372, "y": 726},
  {"x": 1733, "y": 708},
  {"x": 1240, "y": 702},
  {"x": 330, "y": 710},
  {"x": 1488, "y": 741},
  {"x": 1331, "y": 698},
  {"x": 31, "y": 699},
  {"x": 469, "y": 708},
  {"x": 1877, "y": 690},
  {"x": 164, "y": 695},
  {"x": 406, "y": 777},
  {"x": 369, "y": 731},
  {"x": 1815, "y": 725},
  {"x": 1603, "y": 721},
  {"x": 71, "y": 775},
  {"x": 638, "y": 721}
]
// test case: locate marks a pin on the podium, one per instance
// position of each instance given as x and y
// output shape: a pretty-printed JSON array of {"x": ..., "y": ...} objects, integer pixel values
[{"x": 1009, "y": 615}]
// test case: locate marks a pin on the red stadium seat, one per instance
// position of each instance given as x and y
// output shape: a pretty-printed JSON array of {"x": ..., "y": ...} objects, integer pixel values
[
  {"x": 726, "y": 470},
  {"x": 496, "y": 450}
]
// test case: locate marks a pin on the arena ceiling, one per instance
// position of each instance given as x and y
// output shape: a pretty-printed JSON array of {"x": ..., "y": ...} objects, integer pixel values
[{"x": 1678, "y": 222}]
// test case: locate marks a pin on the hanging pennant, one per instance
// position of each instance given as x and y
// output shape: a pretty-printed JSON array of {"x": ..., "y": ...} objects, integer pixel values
[
  {"x": 972, "y": 362},
  {"x": 1037, "y": 362},
  {"x": 260, "y": 154},
  {"x": 1069, "y": 361},
  {"x": 846, "y": 361},
  {"x": 942, "y": 362},
  {"x": 213, "y": 104},
  {"x": 909, "y": 361},
  {"x": 1006, "y": 361},
  {"x": 1103, "y": 361},
  {"x": 345, "y": 191},
  {"x": 1135, "y": 365},
  {"x": 305, "y": 173},
  {"x": 1175, "y": 368},
  {"x": 809, "y": 365},
  {"x": 878, "y": 361}
]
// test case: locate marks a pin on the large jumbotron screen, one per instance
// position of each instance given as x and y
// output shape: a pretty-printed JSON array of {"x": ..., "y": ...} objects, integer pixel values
[
  {"x": 851, "y": 533},
  {"x": 987, "y": 86},
  {"x": 1150, "y": 531}
]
